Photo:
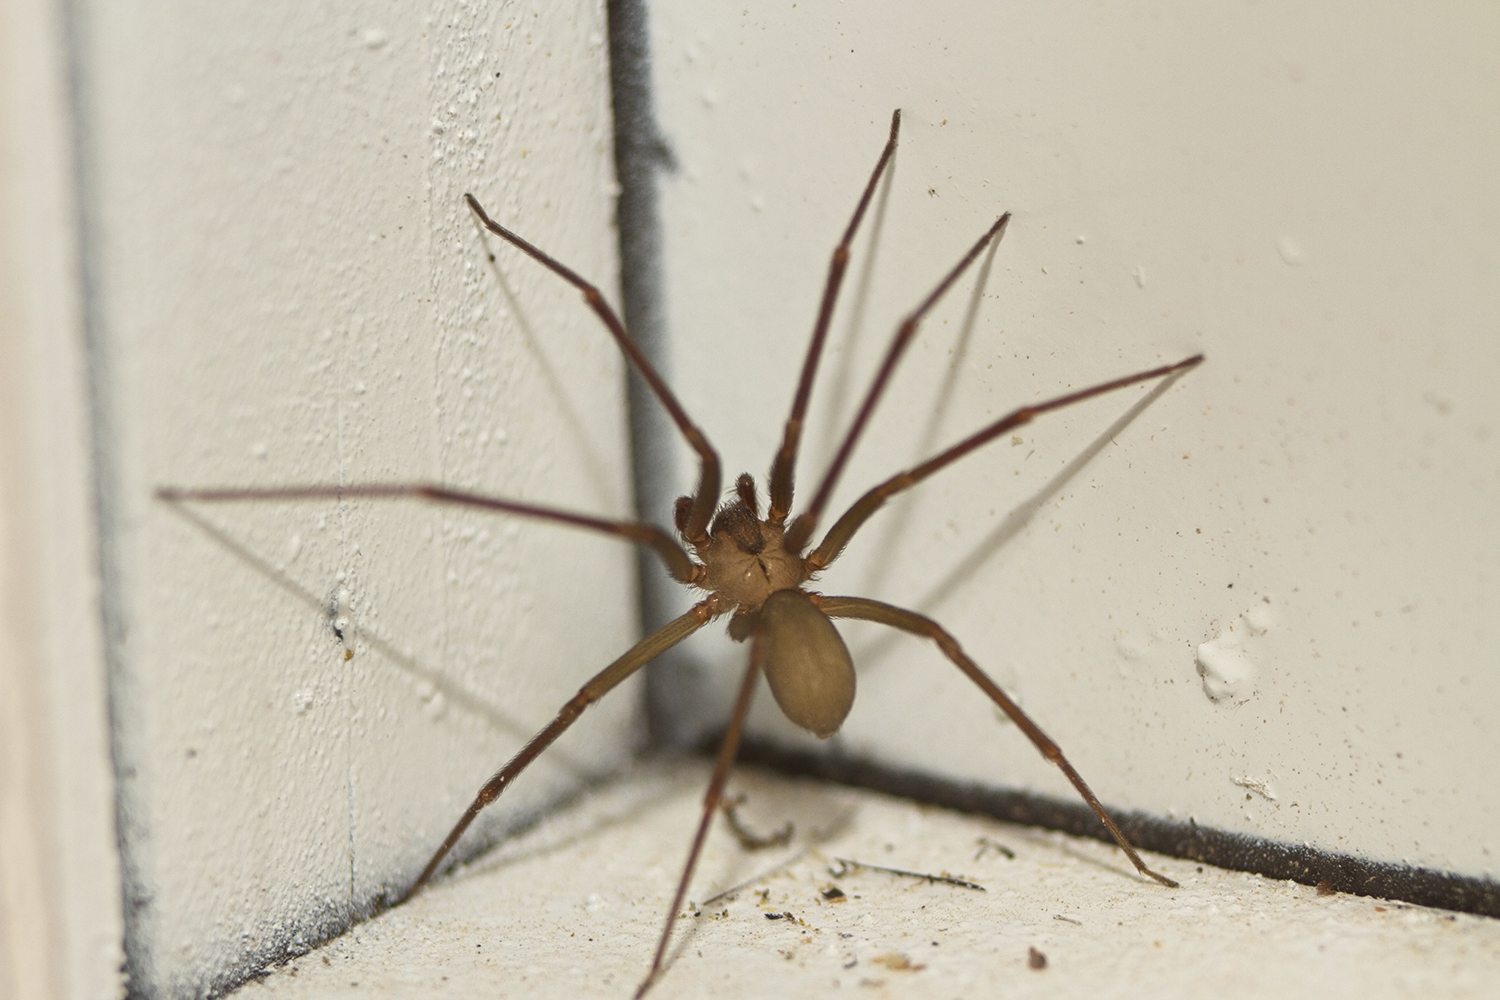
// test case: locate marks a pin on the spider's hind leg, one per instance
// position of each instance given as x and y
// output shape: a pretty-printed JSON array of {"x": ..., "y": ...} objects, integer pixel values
[
  {"x": 921, "y": 625},
  {"x": 711, "y": 798}
]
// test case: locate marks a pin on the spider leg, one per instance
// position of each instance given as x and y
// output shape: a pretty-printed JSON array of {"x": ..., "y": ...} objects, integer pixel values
[
  {"x": 707, "y": 495},
  {"x": 784, "y": 467},
  {"x": 805, "y": 523},
  {"x": 844, "y": 528},
  {"x": 638, "y": 656},
  {"x": 682, "y": 568},
  {"x": 727, "y": 751},
  {"x": 910, "y": 621}
]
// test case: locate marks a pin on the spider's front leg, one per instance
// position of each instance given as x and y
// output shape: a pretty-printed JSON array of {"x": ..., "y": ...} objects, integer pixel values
[
  {"x": 783, "y": 468},
  {"x": 706, "y": 497}
]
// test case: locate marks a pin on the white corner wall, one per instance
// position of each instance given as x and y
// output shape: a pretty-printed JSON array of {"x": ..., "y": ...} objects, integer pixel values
[
  {"x": 286, "y": 287},
  {"x": 1311, "y": 196},
  {"x": 60, "y": 916}
]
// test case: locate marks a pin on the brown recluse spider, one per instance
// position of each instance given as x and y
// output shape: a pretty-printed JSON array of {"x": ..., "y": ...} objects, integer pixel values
[{"x": 752, "y": 568}]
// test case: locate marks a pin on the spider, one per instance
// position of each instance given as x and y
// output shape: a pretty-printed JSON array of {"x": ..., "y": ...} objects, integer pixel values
[{"x": 754, "y": 566}]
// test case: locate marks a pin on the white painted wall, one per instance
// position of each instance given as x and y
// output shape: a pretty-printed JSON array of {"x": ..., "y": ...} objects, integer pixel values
[
  {"x": 289, "y": 289},
  {"x": 286, "y": 289},
  {"x": 1311, "y": 195}
]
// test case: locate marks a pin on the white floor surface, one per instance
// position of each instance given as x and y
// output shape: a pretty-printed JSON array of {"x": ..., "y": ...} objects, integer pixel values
[{"x": 574, "y": 907}]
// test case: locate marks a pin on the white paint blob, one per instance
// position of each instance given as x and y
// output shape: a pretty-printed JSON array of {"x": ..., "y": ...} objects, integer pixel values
[{"x": 1225, "y": 664}]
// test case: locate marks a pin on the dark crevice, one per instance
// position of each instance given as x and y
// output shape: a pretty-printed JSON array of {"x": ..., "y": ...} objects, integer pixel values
[
  {"x": 641, "y": 156},
  {"x": 1186, "y": 840}
]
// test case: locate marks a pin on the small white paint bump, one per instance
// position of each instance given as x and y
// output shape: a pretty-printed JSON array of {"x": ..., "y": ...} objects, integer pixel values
[
  {"x": 1291, "y": 251},
  {"x": 1228, "y": 674},
  {"x": 1131, "y": 647},
  {"x": 1260, "y": 619},
  {"x": 1225, "y": 664},
  {"x": 1262, "y": 787}
]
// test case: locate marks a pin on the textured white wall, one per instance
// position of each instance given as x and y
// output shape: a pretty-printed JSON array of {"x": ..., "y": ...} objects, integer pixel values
[
  {"x": 1309, "y": 195},
  {"x": 285, "y": 288},
  {"x": 289, "y": 289}
]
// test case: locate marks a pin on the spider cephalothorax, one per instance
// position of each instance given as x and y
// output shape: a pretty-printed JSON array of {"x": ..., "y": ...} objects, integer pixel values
[{"x": 744, "y": 558}]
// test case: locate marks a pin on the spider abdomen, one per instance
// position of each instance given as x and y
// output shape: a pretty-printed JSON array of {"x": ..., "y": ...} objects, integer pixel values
[{"x": 805, "y": 661}]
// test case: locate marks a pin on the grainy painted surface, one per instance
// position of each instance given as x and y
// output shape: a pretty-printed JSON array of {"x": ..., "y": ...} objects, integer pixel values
[
  {"x": 1267, "y": 602},
  {"x": 589, "y": 889},
  {"x": 289, "y": 289}
]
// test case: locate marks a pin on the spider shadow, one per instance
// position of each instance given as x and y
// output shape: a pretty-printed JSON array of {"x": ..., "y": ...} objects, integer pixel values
[
  {"x": 901, "y": 510},
  {"x": 1019, "y": 517},
  {"x": 1062, "y": 843},
  {"x": 802, "y": 800},
  {"x": 927, "y": 443},
  {"x": 578, "y": 429},
  {"x": 563, "y": 832},
  {"x": 454, "y": 692},
  {"x": 567, "y": 827},
  {"x": 840, "y": 368}
]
